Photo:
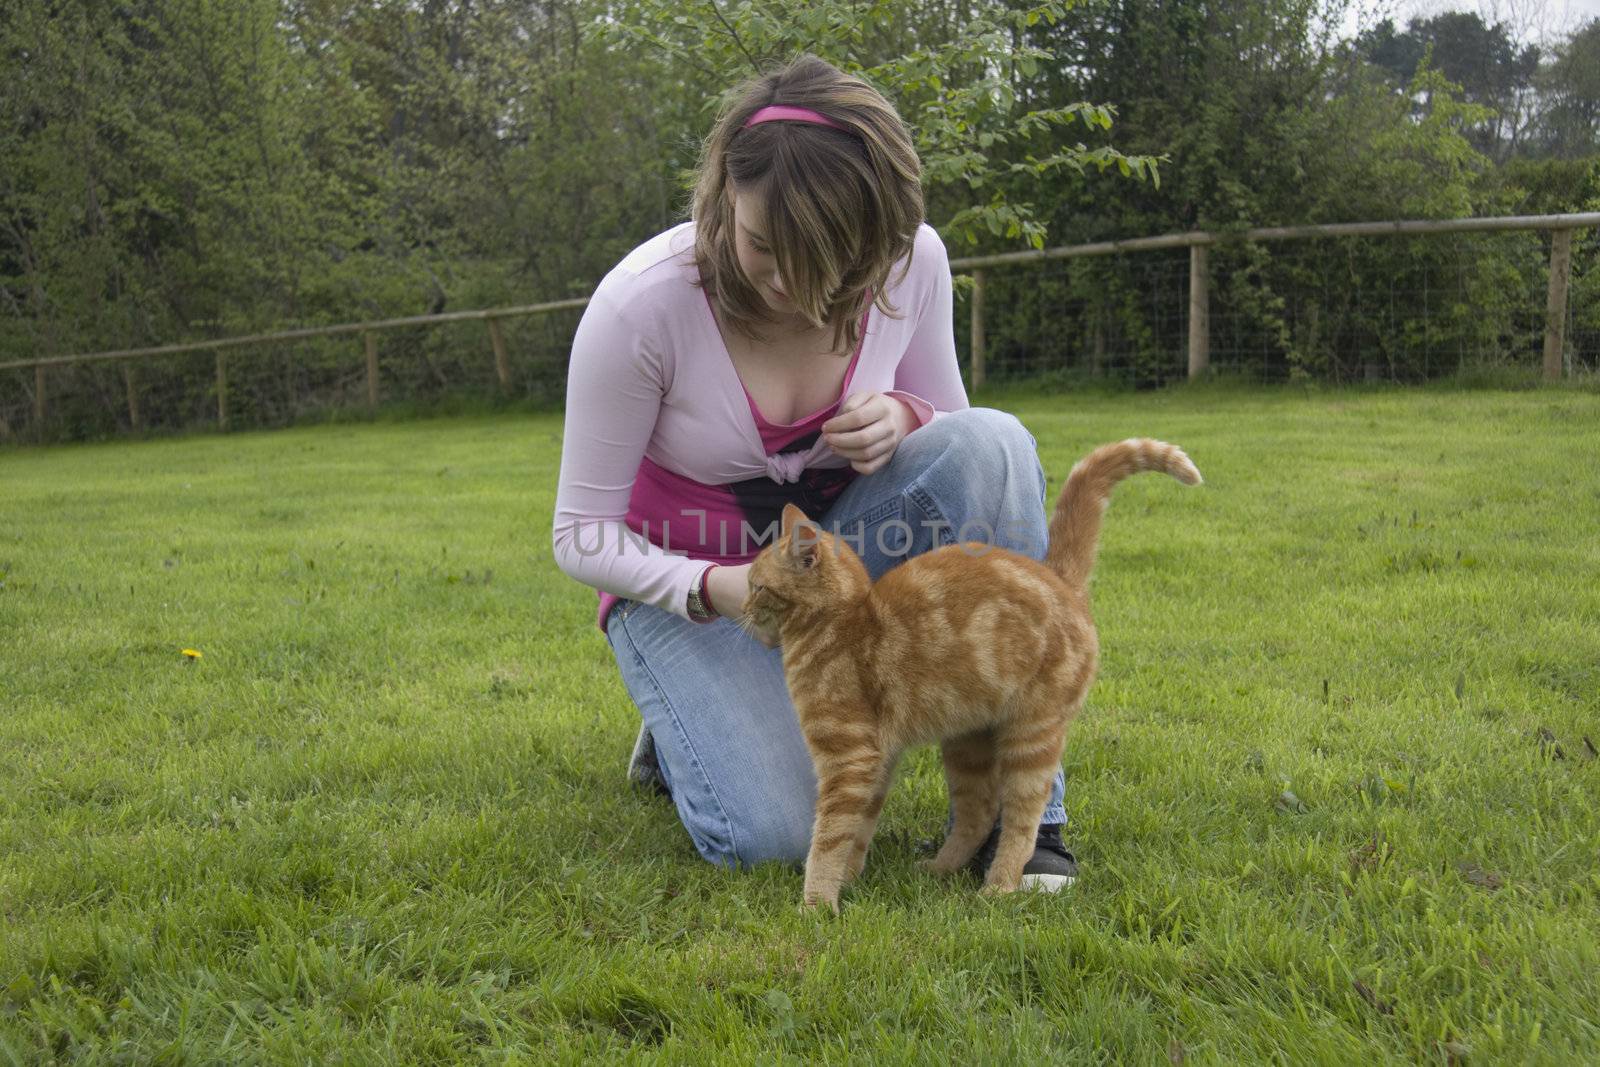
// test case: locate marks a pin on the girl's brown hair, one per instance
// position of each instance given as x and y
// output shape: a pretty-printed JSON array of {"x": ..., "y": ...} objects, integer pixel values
[{"x": 843, "y": 206}]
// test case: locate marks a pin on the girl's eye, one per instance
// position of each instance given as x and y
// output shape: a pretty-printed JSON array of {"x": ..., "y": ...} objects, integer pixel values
[{"x": 761, "y": 251}]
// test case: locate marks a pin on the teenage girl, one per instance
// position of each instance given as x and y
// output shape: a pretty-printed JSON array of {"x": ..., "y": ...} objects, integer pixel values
[{"x": 792, "y": 343}]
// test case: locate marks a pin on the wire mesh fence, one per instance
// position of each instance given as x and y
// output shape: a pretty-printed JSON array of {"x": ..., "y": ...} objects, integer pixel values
[
  {"x": 1391, "y": 308},
  {"x": 1394, "y": 308},
  {"x": 279, "y": 383}
]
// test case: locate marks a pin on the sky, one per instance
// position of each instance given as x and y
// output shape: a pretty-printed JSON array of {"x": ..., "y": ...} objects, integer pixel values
[{"x": 1531, "y": 20}]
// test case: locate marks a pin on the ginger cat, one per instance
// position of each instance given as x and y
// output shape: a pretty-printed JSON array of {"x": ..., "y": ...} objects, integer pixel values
[{"x": 983, "y": 650}]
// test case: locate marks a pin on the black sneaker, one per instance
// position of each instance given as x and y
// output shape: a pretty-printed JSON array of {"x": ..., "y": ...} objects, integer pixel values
[
  {"x": 1051, "y": 869},
  {"x": 644, "y": 768}
]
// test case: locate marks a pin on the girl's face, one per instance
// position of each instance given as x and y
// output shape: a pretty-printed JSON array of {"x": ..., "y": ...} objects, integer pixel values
[{"x": 755, "y": 254}]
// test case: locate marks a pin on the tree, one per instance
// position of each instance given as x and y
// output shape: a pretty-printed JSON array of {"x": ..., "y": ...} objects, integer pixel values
[
  {"x": 1485, "y": 60},
  {"x": 1570, "y": 89}
]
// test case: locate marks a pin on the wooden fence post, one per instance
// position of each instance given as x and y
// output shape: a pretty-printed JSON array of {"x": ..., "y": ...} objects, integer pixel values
[
  {"x": 1199, "y": 313},
  {"x": 1555, "y": 315},
  {"x": 222, "y": 390},
  {"x": 978, "y": 369},
  {"x": 371, "y": 340},
  {"x": 133, "y": 397},
  {"x": 38, "y": 399},
  {"x": 502, "y": 366},
  {"x": 1097, "y": 361}
]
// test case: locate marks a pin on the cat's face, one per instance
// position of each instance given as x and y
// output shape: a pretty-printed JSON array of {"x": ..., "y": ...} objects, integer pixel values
[
  {"x": 762, "y": 611},
  {"x": 805, "y": 567}
]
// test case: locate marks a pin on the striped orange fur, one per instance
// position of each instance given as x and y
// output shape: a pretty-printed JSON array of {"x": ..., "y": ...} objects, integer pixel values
[{"x": 984, "y": 651}]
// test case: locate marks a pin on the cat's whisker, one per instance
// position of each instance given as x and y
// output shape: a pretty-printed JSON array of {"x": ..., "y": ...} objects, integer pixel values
[{"x": 746, "y": 621}]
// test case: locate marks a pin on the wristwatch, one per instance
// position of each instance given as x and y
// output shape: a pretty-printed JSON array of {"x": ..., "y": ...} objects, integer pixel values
[{"x": 700, "y": 609}]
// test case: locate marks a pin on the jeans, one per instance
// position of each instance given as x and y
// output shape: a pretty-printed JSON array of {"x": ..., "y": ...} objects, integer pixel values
[{"x": 714, "y": 699}]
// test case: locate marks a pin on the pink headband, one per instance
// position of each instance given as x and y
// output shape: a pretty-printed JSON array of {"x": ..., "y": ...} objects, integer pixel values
[{"x": 784, "y": 113}]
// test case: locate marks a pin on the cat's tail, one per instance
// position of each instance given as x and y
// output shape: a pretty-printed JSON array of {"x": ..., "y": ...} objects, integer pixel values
[{"x": 1075, "y": 528}]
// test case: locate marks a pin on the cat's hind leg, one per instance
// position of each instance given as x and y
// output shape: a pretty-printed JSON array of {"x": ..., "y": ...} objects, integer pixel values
[
  {"x": 969, "y": 771},
  {"x": 1028, "y": 753}
]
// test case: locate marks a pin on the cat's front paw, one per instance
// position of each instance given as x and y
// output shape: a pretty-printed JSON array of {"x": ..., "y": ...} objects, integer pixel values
[{"x": 815, "y": 900}]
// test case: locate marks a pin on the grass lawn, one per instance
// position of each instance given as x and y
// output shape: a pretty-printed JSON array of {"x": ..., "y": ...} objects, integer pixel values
[{"x": 1335, "y": 793}]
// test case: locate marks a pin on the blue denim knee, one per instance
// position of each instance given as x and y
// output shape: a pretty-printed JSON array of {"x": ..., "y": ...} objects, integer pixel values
[{"x": 978, "y": 470}]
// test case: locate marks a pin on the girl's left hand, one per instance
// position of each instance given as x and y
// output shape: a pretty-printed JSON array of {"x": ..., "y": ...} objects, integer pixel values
[{"x": 868, "y": 429}]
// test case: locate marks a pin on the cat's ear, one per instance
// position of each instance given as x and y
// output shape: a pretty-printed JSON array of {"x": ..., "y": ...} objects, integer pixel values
[
  {"x": 805, "y": 540},
  {"x": 802, "y": 534},
  {"x": 791, "y": 515}
]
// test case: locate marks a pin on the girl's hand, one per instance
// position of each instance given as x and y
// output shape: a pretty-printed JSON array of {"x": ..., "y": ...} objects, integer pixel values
[
  {"x": 727, "y": 587},
  {"x": 868, "y": 429}
]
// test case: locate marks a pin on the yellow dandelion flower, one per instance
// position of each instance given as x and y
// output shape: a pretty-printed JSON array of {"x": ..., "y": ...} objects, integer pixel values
[{"x": 192, "y": 653}]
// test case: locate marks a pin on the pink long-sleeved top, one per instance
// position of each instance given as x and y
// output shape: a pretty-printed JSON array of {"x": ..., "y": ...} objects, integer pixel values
[{"x": 668, "y": 465}]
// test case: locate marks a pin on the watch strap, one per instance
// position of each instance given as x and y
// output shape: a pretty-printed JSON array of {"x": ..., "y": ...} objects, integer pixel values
[{"x": 700, "y": 609}]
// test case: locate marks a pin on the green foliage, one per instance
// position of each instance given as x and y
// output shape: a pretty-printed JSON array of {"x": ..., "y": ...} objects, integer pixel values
[
  {"x": 1570, "y": 87},
  {"x": 173, "y": 174},
  {"x": 959, "y": 78},
  {"x": 1419, "y": 165},
  {"x": 1492, "y": 70},
  {"x": 1428, "y": 164}
]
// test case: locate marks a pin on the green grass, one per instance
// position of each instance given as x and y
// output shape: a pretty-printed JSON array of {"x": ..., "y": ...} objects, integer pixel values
[{"x": 383, "y": 819}]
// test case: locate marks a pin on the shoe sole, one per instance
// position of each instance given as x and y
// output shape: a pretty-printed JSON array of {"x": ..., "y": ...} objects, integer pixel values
[
  {"x": 642, "y": 761},
  {"x": 1046, "y": 883},
  {"x": 644, "y": 767}
]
